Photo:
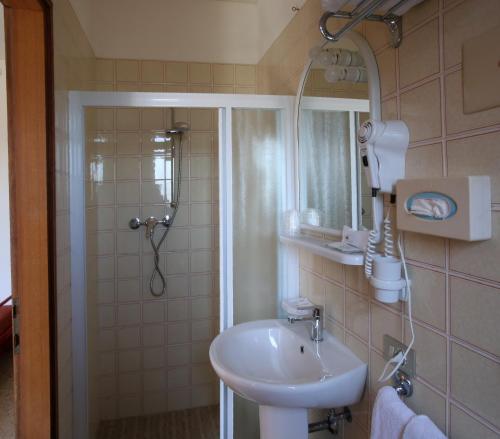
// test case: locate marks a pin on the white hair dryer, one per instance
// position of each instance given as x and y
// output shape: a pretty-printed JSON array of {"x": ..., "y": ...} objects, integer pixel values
[{"x": 383, "y": 148}]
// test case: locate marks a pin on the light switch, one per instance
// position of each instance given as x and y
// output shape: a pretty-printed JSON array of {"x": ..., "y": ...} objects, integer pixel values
[{"x": 481, "y": 72}]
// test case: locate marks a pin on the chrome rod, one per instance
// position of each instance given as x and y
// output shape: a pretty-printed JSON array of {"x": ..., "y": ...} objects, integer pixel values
[
  {"x": 353, "y": 23},
  {"x": 395, "y": 7}
]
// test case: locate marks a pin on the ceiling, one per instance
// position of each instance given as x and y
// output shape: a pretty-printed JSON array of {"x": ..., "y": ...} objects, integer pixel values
[{"x": 225, "y": 31}]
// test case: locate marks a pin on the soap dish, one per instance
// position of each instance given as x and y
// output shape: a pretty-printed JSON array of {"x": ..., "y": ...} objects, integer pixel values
[{"x": 299, "y": 306}]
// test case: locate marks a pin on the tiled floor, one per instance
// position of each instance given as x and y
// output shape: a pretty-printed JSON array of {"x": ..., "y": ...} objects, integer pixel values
[
  {"x": 7, "y": 419},
  {"x": 197, "y": 423}
]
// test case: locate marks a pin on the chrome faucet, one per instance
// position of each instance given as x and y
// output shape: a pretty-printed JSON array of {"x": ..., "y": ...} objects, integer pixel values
[{"x": 317, "y": 324}]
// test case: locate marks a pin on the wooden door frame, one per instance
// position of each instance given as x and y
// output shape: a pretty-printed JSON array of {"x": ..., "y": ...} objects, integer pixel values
[{"x": 30, "y": 102}]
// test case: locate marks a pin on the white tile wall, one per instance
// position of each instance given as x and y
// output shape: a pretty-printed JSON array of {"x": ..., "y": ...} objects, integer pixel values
[{"x": 152, "y": 352}]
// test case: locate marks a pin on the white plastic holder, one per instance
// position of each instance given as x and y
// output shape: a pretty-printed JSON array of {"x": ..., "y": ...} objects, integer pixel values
[{"x": 389, "y": 285}]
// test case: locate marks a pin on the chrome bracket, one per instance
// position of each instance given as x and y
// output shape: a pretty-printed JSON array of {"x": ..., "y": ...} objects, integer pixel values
[
  {"x": 395, "y": 25},
  {"x": 402, "y": 384}
]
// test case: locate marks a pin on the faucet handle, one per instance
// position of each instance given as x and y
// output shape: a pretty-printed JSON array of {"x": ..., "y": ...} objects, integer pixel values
[{"x": 316, "y": 312}]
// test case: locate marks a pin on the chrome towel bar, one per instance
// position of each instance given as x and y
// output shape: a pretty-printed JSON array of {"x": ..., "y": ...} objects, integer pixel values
[{"x": 365, "y": 11}]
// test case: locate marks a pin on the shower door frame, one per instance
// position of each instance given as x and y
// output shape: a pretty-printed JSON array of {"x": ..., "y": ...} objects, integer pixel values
[{"x": 288, "y": 264}]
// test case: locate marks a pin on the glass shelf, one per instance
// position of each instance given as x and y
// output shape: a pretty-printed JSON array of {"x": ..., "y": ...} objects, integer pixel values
[{"x": 319, "y": 247}]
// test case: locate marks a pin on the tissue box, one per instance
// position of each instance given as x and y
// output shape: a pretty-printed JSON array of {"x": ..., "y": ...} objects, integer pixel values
[{"x": 458, "y": 207}]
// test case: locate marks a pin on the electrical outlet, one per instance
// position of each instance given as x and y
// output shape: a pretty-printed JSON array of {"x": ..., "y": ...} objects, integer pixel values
[{"x": 392, "y": 347}]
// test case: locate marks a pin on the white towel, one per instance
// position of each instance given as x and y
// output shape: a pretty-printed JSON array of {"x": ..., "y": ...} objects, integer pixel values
[
  {"x": 422, "y": 427},
  {"x": 390, "y": 415}
]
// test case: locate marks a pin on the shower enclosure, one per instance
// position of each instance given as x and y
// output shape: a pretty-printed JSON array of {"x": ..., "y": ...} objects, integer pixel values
[{"x": 206, "y": 222}]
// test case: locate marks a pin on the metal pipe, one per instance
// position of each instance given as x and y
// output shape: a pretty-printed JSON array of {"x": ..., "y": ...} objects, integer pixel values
[{"x": 353, "y": 23}]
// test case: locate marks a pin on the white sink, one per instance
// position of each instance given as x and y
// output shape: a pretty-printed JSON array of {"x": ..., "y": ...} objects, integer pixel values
[{"x": 277, "y": 365}]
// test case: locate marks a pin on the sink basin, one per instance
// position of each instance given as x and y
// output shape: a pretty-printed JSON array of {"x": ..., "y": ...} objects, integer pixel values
[{"x": 277, "y": 365}]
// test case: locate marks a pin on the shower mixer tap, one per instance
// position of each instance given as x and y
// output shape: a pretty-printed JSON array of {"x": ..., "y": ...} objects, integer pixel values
[{"x": 150, "y": 223}]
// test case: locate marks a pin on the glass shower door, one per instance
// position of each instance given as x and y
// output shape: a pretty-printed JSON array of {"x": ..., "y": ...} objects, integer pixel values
[{"x": 257, "y": 173}]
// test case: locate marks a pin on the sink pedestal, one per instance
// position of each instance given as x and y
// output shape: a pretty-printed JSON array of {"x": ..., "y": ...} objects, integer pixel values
[{"x": 282, "y": 423}]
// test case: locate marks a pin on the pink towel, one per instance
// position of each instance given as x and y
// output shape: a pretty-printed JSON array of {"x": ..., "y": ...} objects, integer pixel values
[
  {"x": 422, "y": 427},
  {"x": 390, "y": 415}
]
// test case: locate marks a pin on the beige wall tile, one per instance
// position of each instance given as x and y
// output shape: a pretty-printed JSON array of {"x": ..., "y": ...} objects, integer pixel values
[
  {"x": 357, "y": 310},
  {"x": 355, "y": 279},
  {"x": 361, "y": 410},
  {"x": 152, "y": 71},
  {"x": 377, "y": 364},
  {"x": 390, "y": 109},
  {"x": 474, "y": 314},
  {"x": 355, "y": 431},
  {"x": 425, "y": 248},
  {"x": 201, "y": 89},
  {"x": 226, "y": 89},
  {"x": 430, "y": 349},
  {"x": 200, "y": 73},
  {"x": 478, "y": 258},
  {"x": 419, "y": 54},
  {"x": 424, "y": 161},
  {"x": 387, "y": 70},
  {"x": 384, "y": 322},
  {"x": 421, "y": 110},
  {"x": 419, "y": 13},
  {"x": 425, "y": 401},
  {"x": 429, "y": 296},
  {"x": 333, "y": 270},
  {"x": 467, "y": 20},
  {"x": 127, "y": 119},
  {"x": 335, "y": 329},
  {"x": 223, "y": 74},
  {"x": 334, "y": 301},
  {"x": 127, "y": 86},
  {"x": 311, "y": 261},
  {"x": 246, "y": 75},
  {"x": 478, "y": 155},
  {"x": 105, "y": 70},
  {"x": 177, "y": 88},
  {"x": 377, "y": 35},
  {"x": 463, "y": 426},
  {"x": 245, "y": 90},
  {"x": 153, "y": 88},
  {"x": 176, "y": 72},
  {"x": 103, "y": 86},
  {"x": 127, "y": 70},
  {"x": 456, "y": 120},
  {"x": 469, "y": 386}
]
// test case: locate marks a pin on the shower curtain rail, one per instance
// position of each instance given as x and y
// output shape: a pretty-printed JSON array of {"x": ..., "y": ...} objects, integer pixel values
[{"x": 365, "y": 11}]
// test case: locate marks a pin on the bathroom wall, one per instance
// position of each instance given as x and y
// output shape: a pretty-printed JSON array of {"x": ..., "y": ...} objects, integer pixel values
[
  {"x": 150, "y": 354},
  {"x": 456, "y": 284},
  {"x": 73, "y": 69},
  {"x": 173, "y": 76}
]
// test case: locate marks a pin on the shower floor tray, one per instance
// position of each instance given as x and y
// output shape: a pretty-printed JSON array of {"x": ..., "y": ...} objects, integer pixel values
[{"x": 196, "y": 423}]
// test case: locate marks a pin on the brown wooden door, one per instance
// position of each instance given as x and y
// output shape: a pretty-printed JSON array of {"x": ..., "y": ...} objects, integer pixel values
[{"x": 30, "y": 120}]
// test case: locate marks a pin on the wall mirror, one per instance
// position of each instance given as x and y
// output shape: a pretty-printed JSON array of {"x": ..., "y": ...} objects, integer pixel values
[{"x": 338, "y": 91}]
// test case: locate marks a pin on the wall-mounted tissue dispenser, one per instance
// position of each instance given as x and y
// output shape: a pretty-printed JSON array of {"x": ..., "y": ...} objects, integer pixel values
[{"x": 452, "y": 207}]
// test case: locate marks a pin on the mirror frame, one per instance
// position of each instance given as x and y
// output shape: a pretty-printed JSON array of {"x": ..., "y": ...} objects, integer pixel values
[{"x": 375, "y": 110}]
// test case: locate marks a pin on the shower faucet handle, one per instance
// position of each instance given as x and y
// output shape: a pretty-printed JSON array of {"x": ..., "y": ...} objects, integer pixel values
[
  {"x": 165, "y": 221},
  {"x": 135, "y": 223}
]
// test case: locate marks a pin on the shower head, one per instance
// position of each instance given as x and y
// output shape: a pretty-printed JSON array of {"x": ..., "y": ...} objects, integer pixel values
[{"x": 179, "y": 128}]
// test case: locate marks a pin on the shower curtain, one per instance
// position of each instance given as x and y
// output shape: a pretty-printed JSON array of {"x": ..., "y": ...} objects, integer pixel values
[{"x": 325, "y": 165}]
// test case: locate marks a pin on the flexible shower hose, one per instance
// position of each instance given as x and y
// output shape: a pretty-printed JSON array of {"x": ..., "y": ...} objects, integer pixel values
[{"x": 156, "y": 247}]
